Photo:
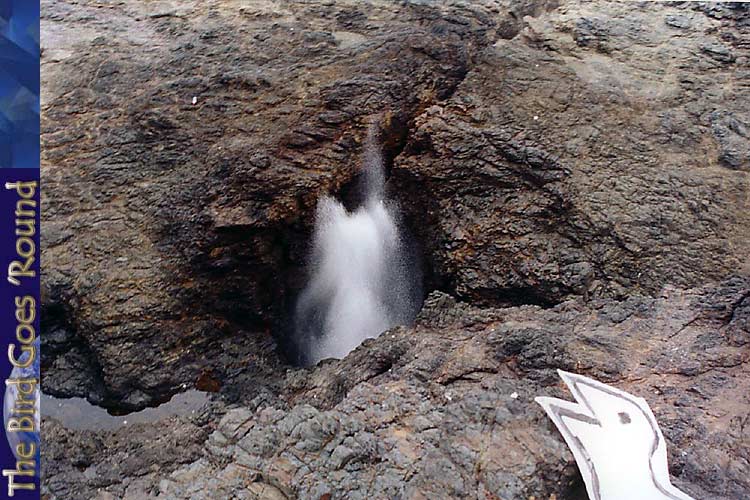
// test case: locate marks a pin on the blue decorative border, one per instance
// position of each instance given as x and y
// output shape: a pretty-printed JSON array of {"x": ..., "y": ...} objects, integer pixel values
[
  {"x": 19, "y": 83},
  {"x": 19, "y": 248}
]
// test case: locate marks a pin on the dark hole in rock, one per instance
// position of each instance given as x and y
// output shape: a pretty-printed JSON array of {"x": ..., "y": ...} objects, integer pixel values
[
  {"x": 247, "y": 279},
  {"x": 418, "y": 220},
  {"x": 390, "y": 138}
]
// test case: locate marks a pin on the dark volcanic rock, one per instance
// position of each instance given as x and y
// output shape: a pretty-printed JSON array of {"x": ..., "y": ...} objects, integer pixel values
[
  {"x": 184, "y": 155},
  {"x": 78, "y": 464},
  {"x": 558, "y": 167},
  {"x": 446, "y": 410},
  {"x": 583, "y": 162},
  {"x": 572, "y": 153}
]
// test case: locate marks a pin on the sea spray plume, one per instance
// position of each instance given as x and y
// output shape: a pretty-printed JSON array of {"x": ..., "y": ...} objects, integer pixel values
[{"x": 364, "y": 275}]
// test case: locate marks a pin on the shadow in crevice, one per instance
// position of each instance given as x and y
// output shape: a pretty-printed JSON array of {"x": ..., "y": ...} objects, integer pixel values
[
  {"x": 61, "y": 345},
  {"x": 364, "y": 269},
  {"x": 576, "y": 490}
]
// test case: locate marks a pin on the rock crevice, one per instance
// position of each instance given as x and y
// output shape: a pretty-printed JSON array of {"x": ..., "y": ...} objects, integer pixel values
[{"x": 573, "y": 171}]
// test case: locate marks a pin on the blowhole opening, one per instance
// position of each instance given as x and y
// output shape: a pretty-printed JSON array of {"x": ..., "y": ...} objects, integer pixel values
[{"x": 363, "y": 267}]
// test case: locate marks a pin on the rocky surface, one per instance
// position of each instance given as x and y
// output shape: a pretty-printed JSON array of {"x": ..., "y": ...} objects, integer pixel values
[
  {"x": 584, "y": 162},
  {"x": 603, "y": 150},
  {"x": 539, "y": 152},
  {"x": 189, "y": 144},
  {"x": 446, "y": 410}
]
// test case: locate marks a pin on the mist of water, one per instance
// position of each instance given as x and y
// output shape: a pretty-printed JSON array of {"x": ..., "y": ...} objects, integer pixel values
[{"x": 364, "y": 273}]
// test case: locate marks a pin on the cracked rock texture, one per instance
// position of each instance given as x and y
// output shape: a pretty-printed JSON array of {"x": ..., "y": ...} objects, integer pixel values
[
  {"x": 539, "y": 152},
  {"x": 446, "y": 410},
  {"x": 576, "y": 173}
]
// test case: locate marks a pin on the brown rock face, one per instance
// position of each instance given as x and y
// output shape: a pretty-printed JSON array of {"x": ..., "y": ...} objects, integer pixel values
[
  {"x": 183, "y": 159},
  {"x": 586, "y": 155},
  {"x": 573, "y": 172},
  {"x": 446, "y": 409}
]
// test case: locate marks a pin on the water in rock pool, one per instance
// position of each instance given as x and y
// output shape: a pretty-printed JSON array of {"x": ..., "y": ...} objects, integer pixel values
[{"x": 77, "y": 413}]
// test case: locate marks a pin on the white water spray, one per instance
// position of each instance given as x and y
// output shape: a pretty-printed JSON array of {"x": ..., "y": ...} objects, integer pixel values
[{"x": 364, "y": 276}]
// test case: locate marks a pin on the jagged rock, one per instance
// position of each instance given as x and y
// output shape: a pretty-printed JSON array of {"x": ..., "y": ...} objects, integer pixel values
[
  {"x": 183, "y": 157},
  {"x": 449, "y": 412},
  {"x": 572, "y": 158},
  {"x": 559, "y": 167},
  {"x": 584, "y": 162}
]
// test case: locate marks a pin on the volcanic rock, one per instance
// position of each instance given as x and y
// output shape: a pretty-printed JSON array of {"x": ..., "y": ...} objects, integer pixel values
[{"x": 576, "y": 174}]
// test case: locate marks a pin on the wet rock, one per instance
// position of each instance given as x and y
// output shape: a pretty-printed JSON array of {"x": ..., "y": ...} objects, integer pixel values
[
  {"x": 473, "y": 409},
  {"x": 206, "y": 151},
  {"x": 454, "y": 414},
  {"x": 571, "y": 170},
  {"x": 533, "y": 168}
]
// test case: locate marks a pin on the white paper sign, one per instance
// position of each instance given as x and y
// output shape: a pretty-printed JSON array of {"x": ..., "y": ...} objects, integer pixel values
[{"x": 615, "y": 440}]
